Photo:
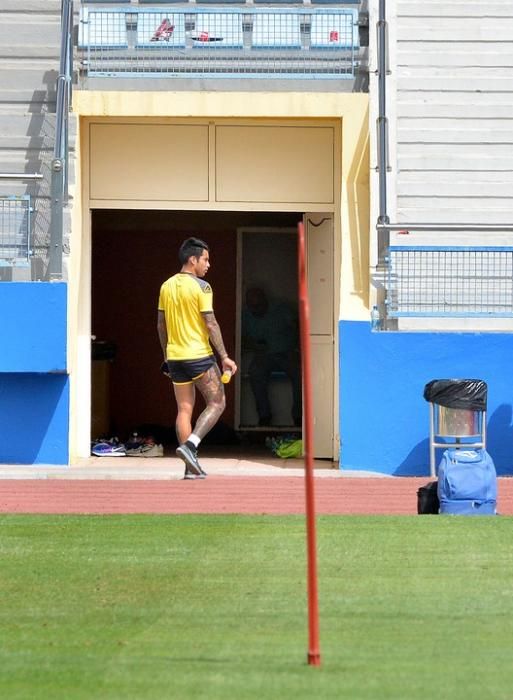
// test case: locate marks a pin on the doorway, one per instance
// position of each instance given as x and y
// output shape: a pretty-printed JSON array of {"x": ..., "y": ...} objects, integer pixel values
[
  {"x": 268, "y": 385},
  {"x": 133, "y": 252}
]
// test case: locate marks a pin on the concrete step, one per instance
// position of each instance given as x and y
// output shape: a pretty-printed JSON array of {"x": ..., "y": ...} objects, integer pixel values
[
  {"x": 34, "y": 188},
  {"x": 30, "y": 161},
  {"x": 28, "y": 80},
  {"x": 25, "y": 63},
  {"x": 23, "y": 143},
  {"x": 43, "y": 7},
  {"x": 39, "y": 190},
  {"x": 30, "y": 130},
  {"x": 27, "y": 101},
  {"x": 29, "y": 30},
  {"x": 22, "y": 51},
  {"x": 17, "y": 125},
  {"x": 20, "y": 109},
  {"x": 456, "y": 8},
  {"x": 41, "y": 147},
  {"x": 24, "y": 84}
]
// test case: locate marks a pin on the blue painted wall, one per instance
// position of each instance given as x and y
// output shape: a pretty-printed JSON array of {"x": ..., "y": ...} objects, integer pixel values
[
  {"x": 34, "y": 385},
  {"x": 33, "y": 327},
  {"x": 34, "y": 425},
  {"x": 384, "y": 419}
]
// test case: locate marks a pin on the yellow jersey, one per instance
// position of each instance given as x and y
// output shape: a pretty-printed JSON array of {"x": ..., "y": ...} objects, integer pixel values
[{"x": 183, "y": 298}]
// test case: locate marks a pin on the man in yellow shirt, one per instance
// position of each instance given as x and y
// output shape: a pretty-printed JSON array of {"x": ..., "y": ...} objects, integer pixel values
[{"x": 187, "y": 330}]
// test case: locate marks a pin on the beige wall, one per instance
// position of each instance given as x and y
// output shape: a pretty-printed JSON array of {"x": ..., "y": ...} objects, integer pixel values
[
  {"x": 227, "y": 164},
  {"x": 344, "y": 191}
]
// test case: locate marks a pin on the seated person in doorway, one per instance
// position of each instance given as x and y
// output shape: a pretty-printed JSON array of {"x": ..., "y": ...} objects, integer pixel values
[{"x": 270, "y": 332}]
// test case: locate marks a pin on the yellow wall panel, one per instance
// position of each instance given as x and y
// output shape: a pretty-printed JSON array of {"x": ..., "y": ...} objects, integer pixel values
[
  {"x": 274, "y": 163},
  {"x": 149, "y": 161}
]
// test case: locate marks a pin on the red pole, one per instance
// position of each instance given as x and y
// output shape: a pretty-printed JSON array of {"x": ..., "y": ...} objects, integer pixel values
[{"x": 314, "y": 654}]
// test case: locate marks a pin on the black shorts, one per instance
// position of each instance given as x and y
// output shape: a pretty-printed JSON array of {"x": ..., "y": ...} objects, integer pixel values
[{"x": 186, "y": 371}]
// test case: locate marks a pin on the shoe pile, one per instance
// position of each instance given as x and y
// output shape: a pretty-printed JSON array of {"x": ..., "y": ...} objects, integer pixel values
[
  {"x": 139, "y": 446},
  {"x": 136, "y": 446}
]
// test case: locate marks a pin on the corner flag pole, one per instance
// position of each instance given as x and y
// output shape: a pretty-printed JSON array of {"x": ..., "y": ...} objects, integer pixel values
[{"x": 314, "y": 654}]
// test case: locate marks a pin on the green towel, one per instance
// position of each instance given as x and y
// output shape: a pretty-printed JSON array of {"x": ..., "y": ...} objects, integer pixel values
[{"x": 289, "y": 449}]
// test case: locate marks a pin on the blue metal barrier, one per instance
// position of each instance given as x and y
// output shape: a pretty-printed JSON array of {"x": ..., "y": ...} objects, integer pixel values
[
  {"x": 455, "y": 281},
  {"x": 258, "y": 42}
]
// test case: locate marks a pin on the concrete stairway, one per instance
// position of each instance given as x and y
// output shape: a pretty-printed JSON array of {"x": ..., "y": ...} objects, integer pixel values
[
  {"x": 29, "y": 66},
  {"x": 454, "y": 122}
]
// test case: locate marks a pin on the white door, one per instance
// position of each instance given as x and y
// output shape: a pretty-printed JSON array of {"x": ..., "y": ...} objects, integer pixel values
[
  {"x": 320, "y": 266},
  {"x": 266, "y": 259}
]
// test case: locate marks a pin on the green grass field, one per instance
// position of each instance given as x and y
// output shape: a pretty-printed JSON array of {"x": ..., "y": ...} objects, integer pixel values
[{"x": 215, "y": 607}]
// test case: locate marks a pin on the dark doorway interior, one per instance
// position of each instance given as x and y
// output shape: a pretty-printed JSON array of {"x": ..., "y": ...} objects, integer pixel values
[{"x": 133, "y": 252}]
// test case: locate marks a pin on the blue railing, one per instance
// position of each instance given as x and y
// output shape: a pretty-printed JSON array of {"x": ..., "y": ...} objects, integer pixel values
[
  {"x": 454, "y": 281},
  {"x": 222, "y": 42}
]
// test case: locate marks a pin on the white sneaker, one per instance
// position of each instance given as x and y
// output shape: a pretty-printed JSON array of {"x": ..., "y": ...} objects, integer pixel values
[{"x": 146, "y": 450}]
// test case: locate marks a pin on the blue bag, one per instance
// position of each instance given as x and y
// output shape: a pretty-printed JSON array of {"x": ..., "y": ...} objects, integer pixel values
[{"x": 467, "y": 483}]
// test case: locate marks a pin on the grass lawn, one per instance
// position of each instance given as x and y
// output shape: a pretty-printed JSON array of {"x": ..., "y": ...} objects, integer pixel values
[{"x": 215, "y": 607}]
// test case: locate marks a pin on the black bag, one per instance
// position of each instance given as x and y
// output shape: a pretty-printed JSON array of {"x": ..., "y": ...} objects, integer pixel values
[
  {"x": 427, "y": 499},
  {"x": 469, "y": 394}
]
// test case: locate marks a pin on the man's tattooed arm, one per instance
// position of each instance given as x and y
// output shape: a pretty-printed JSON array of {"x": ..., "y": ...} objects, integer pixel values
[
  {"x": 162, "y": 331},
  {"x": 214, "y": 333}
]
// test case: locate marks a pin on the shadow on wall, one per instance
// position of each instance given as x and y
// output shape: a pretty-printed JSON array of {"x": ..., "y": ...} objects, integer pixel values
[
  {"x": 499, "y": 439},
  {"x": 499, "y": 443}
]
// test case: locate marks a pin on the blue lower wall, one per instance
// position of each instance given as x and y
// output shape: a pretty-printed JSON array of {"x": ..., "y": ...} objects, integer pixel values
[
  {"x": 384, "y": 420},
  {"x": 34, "y": 425}
]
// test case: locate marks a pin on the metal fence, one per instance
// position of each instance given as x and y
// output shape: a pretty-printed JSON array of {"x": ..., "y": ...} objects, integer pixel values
[
  {"x": 471, "y": 281},
  {"x": 225, "y": 42},
  {"x": 15, "y": 227}
]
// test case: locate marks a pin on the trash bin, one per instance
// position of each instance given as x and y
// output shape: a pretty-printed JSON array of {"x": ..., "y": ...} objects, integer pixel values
[
  {"x": 458, "y": 422},
  {"x": 457, "y": 412}
]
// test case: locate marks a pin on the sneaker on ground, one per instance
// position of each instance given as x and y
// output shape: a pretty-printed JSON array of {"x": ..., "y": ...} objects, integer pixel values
[
  {"x": 189, "y": 475},
  {"x": 146, "y": 450},
  {"x": 190, "y": 458},
  {"x": 108, "y": 448}
]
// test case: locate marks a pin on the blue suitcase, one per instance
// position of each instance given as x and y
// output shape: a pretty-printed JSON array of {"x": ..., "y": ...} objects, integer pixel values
[{"x": 467, "y": 483}]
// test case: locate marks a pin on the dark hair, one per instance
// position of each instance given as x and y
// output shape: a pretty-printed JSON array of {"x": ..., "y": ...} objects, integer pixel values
[{"x": 192, "y": 247}]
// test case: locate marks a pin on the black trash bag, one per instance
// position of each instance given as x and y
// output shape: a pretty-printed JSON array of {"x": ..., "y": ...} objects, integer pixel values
[
  {"x": 470, "y": 394},
  {"x": 427, "y": 499}
]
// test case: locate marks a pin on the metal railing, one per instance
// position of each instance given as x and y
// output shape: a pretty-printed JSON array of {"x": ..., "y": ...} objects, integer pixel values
[
  {"x": 455, "y": 281},
  {"x": 448, "y": 280},
  {"x": 15, "y": 228},
  {"x": 59, "y": 166},
  {"x": 137, "y": 3},
  {"x": 221, "y": 42}
]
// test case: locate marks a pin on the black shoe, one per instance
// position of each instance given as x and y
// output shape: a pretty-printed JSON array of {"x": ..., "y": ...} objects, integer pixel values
[
  {"x": 189, "y": 475},
  {"x": 190, "y": 458}
]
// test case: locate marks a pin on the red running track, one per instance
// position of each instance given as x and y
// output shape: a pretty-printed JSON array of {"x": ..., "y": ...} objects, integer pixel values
[{"x": 222, "y": 494}]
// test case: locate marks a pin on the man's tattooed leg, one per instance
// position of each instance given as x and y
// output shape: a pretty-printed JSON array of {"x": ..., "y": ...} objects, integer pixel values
[{"x": 210, "y": 387}]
